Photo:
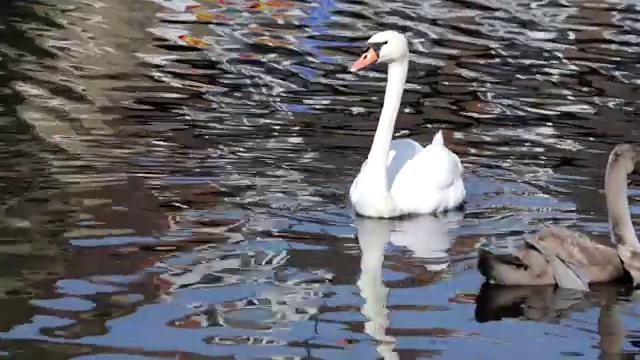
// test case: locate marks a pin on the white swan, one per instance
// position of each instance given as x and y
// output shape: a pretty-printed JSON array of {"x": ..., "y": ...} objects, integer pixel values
[{"x": 401, "y": 177}]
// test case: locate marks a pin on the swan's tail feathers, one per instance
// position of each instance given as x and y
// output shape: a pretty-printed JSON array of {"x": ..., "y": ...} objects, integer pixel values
[{"x": 438, "y": 139}]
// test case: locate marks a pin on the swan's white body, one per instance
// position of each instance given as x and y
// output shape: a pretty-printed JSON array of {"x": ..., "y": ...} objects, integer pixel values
[
  {"x": 401, "y": 177},
  {"x": 419, "y": 181}
]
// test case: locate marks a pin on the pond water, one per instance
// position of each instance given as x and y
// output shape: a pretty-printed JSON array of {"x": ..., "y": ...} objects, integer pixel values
[{"x": 175, "y": 177}]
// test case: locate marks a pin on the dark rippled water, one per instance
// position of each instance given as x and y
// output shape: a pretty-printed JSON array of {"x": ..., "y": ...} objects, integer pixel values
[{"x": 174, "y": 177}]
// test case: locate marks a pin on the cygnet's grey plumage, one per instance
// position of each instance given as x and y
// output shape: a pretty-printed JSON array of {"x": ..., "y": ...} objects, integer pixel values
[{"x": 569, "y": 259}]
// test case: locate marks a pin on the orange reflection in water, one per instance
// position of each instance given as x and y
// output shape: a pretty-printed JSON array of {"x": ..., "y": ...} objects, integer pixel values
[
  {"x": 205, "y": 16},
  {"x": 259, "y": 5},
  {"x": 271, "y": 41},
  {"x": 249, "y": 56},
  {"x": 193, "y": 40},
  {"x": 192, "y": 7}
]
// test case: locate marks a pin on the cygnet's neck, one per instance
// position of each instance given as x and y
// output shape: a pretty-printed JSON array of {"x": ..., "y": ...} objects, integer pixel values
[{"x": 615, "y": 188}]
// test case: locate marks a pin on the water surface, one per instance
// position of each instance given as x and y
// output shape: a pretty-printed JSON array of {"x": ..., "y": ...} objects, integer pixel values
[{"x": 175, "y": 177}]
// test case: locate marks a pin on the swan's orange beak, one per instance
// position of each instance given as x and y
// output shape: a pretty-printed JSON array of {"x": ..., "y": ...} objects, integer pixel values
[{"x": 370, "y": 56}]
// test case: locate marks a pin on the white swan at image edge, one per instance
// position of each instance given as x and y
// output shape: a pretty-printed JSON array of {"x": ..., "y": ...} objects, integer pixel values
[{"x": 401, "y": 177}]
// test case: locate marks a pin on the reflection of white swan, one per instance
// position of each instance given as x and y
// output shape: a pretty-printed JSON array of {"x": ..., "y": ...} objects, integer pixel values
[{"x": 425, "y": 235}]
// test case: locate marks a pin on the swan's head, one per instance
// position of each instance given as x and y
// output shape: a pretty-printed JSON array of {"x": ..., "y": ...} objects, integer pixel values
[{"x": 385, "y": 47}]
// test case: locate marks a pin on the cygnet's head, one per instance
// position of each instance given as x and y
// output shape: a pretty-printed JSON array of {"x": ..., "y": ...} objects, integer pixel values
[
  {"x": 385, "y": 47},
  {"x": 626, "y": 156}
]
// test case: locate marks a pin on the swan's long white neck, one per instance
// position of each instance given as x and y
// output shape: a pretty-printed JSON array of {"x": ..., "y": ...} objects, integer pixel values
[
  {"x": 615, "y": 188},
  {"x": 379, "y": 153}
]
